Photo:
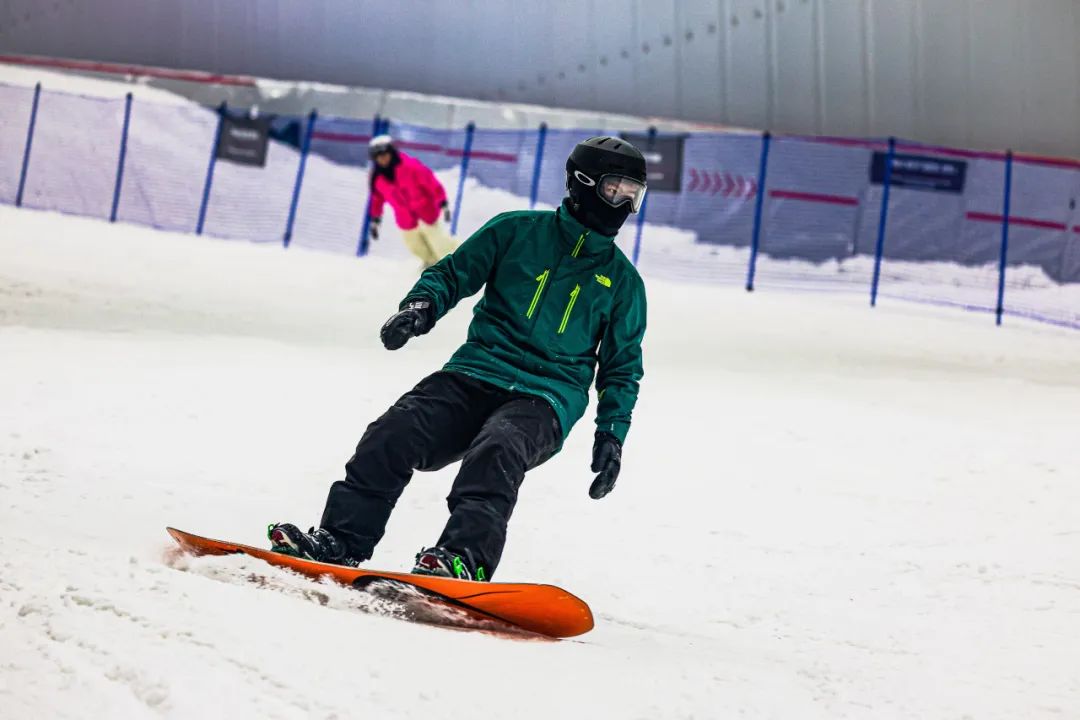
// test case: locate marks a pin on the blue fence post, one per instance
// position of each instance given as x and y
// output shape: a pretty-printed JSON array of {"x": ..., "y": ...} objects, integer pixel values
[
  {"x": 222, "y": 109},
  {"x": 120, "y": 162},
  {"x": 1004, "y": 235},
  {"x": 378, "y": 127},
  {"x": 755, "y": 241},
  {"x": 304, "y": 147},
  {"x": 883, "y": 220},
  {"x": 644, "y": 205},
  {"x": 29, "y": 142},
  {"x": 470, "y": 129},
  {"x": 541, "y": 139}
]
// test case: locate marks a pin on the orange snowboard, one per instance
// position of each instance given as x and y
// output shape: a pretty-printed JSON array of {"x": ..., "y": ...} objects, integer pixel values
[{"x": 543, "y": 609}]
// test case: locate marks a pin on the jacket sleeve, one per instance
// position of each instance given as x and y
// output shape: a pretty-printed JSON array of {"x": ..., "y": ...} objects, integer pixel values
[
  {"x": 620, "y": 361},
  {"x": 425, "y": 177},
  {"x": 463, "y": 272},
  {"x": 377, "y": 202}
]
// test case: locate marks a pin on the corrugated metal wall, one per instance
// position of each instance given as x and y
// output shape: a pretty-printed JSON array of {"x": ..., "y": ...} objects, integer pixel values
[{"x": 976, "y": 73}]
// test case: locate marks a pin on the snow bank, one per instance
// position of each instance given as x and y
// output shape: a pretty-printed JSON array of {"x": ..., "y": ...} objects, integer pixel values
[
  {"x": 78, "y": 84},
  {"x": 824, "y": 511}
]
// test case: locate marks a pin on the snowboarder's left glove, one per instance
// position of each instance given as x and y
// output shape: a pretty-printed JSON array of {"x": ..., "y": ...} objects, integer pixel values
[
  {"x": 446, "y": 212},
  {"x": 606, "y": 460},
  {"x": 414, "y": 319}
]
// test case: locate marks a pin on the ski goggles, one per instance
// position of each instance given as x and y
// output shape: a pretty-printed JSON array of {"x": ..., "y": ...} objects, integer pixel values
[{"x": 616, "y": 190}]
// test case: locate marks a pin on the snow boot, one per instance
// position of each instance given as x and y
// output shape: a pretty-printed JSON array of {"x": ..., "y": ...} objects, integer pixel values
[
  {"x": 318, "y": 545},
  {"x": 444, "y": 563}
]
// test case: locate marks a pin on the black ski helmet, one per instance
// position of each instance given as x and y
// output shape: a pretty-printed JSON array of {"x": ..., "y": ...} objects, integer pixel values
[{"x": 594, "y": 158}]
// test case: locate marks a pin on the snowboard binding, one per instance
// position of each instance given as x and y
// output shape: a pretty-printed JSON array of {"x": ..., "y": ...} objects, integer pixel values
[
  {"x": 441, "y": 562},
  {"x": 315, "y": 544}
]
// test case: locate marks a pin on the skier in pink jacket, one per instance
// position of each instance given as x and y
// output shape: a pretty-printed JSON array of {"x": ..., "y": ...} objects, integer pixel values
[{"x": 418, "y": 199}]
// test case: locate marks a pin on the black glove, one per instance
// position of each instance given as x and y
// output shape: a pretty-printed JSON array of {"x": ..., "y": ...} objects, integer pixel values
[
  {"x": 446, "y": 212},
  {"x": 415, "y": 319},
  {"x": 373, "y": 229},
  {"x": 606, "y": 460}
]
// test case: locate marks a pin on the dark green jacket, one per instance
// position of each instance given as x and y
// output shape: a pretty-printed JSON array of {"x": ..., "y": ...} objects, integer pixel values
[{"x": 559, "y": 299}]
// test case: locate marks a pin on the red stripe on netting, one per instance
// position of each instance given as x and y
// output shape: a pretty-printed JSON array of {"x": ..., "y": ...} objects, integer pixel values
[
  {"x": 458, "y": 152},
  {"x": 121, "y": 69},
  {"x": 1066, "y": 163},
  {"x": 484, "y": 155},
  {"x": 1076, "y": 229},
  {"x": 833, "y": 140},
  {"x": 1013, "y": 220},
  {"x": 815, "y": 197},
  {"x": 1026, "y": 158},
  {"x": 1048, "y": 161},
  {"x": 421, "y": 147},
  {"x": 340, "y": 137},
  {"x": 416, "y": 146},
  {"x": 952, "y": 152}
]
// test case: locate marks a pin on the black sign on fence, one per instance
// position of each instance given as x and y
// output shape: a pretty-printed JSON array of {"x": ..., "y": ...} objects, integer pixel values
[
  {"x": 244, "y": 140},
  {"x": 920, "y": 172},
  {"x": 663, "y": 158}
]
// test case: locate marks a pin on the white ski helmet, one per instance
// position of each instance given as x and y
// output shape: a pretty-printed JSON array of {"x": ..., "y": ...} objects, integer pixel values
[{"x": 380, "y": 144}]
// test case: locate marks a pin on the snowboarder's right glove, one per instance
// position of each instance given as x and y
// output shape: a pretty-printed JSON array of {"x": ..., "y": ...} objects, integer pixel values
[
  {"x": 373, "y": 230},
  {"x": 606, "y": 460},
  {"x": 414, "y": 319}
]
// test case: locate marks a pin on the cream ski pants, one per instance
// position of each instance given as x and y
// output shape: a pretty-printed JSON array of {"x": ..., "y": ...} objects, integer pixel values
[{"x": 430, "y": 243}]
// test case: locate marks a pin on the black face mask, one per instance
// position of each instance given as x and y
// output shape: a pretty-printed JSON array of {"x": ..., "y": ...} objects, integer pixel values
[{"x": 592, "y": 212}]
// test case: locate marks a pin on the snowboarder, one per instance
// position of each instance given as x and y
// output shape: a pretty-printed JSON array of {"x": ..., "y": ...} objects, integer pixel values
[
  {"x": 562, "y": 305},
  {"x": 418, "y": 199}
]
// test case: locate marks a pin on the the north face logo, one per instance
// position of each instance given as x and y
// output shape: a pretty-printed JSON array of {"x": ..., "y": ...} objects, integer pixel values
[{"x": 604, "y": 280}]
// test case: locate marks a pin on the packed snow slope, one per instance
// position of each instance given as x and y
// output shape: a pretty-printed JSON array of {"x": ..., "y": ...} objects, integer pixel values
[{"x": 825, "y": 511}]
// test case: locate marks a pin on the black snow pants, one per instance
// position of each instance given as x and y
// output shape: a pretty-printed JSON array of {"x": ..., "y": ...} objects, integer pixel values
[{"x": 498, "y": 435}]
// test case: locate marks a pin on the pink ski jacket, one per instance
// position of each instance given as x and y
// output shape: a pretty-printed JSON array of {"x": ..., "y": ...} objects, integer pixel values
[{"x": 415, "y": 194}]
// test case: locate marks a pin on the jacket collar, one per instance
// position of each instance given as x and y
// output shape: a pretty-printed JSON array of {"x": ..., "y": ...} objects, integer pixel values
[{"x": 572, "y": 231}]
